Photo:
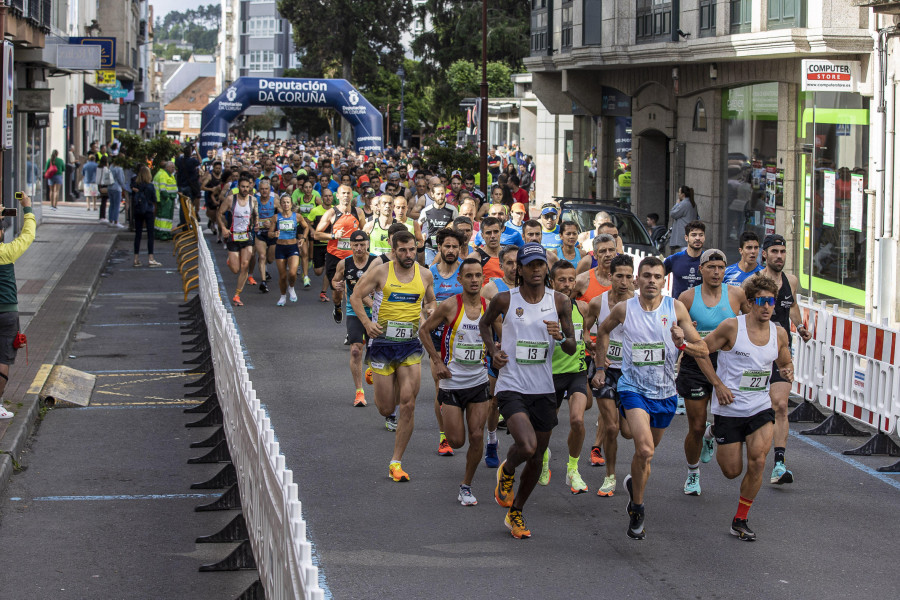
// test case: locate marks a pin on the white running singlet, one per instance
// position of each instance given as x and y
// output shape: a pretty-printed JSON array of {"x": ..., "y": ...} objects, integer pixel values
[
  {"x": 240, "y": 220},
  {"x": 528, "y": 345},
  {"x": 648, "y": 352},
  {"x": 614, "y": 350},
  {"x": 463, "y": 350},
  {"x": 745, "y": 370}
]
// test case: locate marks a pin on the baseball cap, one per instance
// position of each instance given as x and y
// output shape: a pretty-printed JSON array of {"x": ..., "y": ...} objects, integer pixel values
[
  {"x": 394, "y": 175},
  {"x": 549, "y": 208},
  {"x": 518, "y": 206},
  {"x": 302, "y": 172},
  {"x": 362, "y": 179},
  {"x": 531, "y": 251},
  {"x": 711, "y": 254},
  {"x": 359, "y": 236},
  {"x": 773, "y": 239},
  {"x": 286, "y": 170}
]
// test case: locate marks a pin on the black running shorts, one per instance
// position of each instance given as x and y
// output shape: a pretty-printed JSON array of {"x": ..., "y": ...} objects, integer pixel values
[
  {"x": 734, "y": 430},
  {"x": 540, "y": 408},
  {"x": 463, "y": 397},
  {"x": 567, "y": 384},
  {"x": 356, "y": 333}
]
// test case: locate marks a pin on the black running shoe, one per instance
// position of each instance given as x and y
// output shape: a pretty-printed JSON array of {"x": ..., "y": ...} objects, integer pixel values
[
  {"x": 742, "y": 531},
  {"x": 635, "y": 518},
  {"x": 501, "y": 423},
  {"x": 347, "y": 340},
  {"x": 337, "y": 314},
  {"x": 263, "y": 288},
  {"x": 268, "y": 276}
]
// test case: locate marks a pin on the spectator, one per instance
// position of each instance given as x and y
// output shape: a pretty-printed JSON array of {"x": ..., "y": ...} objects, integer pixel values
[
  {"x": 143, "y": 210},
  {"x": 9, "y": 301},
  {"x": 519, "y": 193},
  {"x": 55, "y": 179},
  {"x": 72, "y": 170},
  {"x": 656, "y": 231},
  {"x": 115, "y": 189},
  {"x": 89, "y": 176},
  {"x": 684, "y": 212},
  {"x": 187, "y": 179},
  {"x": 166, "y": 196},
  {"x": 493, "y": 163},
  {"x": 104, "y": 178},
  {"x": 624, "y": 181}
]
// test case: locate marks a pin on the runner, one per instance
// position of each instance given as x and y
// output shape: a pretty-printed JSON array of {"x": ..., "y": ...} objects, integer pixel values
[
  {"x": 437, "y": 215},
  {"x": 532, "y": 231},
  {"x": 589, "y": 259},
  {"x": 517, "y": 215},
  {"x": 536, "y": 318},
  {"x": 463, "y": 226},
  {"x": 265, "y": 245},
  {"x": 306, "y": 202},
  {"x": 655, "y": 328},
  {"x": 550, "y": 238},
  {"x": 349, "y": 271},
  {"x": 447, "y": 284},
  {"x": 290, "y": 231},
  {"x": 489, "y": 254},
  {"x": 595, "y": 281},
  {"x": 570, "y": 250},
  {"x": 508, "y": 255},
  {"x": 748, "y": 346},
  {"x": 319, "y": 248},
  {"x": 787, "y": 311},
  {"x": 585, "y": 238},
  {"x": 570, "y": 380},
  {"x": 716, "y": 303},
  {"x": 508, "y": 235},
  {"x": 748, "y": 265},
  {"x": 377, "y": 228},
  {"x": 685, "y": 264},
  {"x": 400, "y": 216},
  {"x": 238, "y": 237},
  {"x": 459, "y": 367},
  {"x": 343, "y": 220},
  {"x": 609, "y": 423},
  {"x": 395, "y": 353}
]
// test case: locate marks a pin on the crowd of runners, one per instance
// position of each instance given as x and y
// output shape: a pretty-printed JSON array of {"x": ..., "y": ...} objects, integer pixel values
[{"x": 518, "y": 316}]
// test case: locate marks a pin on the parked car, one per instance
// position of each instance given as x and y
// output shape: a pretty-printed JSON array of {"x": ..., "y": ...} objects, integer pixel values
[{"x": 583, "y": 211}]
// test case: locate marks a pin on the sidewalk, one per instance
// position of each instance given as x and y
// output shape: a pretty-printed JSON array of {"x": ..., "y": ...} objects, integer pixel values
[{"x": 56, "y": 278}]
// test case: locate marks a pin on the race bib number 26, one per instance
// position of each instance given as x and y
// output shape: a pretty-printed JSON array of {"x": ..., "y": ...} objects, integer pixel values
[{"x": 400, "y": 331}]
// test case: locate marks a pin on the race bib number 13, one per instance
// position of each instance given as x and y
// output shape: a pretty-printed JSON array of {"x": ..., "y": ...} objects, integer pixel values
[
  {"x": 648, "y": 355},
  {"x": 531, "y": 353}
]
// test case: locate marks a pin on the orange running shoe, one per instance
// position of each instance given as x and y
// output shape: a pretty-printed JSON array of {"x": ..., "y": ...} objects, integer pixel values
[
  {"x": 597, "y": 459},
  {"x": 503, "y": 493},
  {"x": 250, "y": 280},
  {"x": 515, "y": 522},
  {"x": 396, "y": 473},
  {"x": 360, "y": 399},
  {"x": 237, "y": 300},
  {"x": 444, "y": 448},
  {"x": 369, "y": 375}
]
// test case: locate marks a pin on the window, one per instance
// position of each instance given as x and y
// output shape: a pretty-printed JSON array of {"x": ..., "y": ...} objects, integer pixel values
[
  {"x": 699, "y": 116},
  {"x": 174, "y": 120},
  {"x": 565, "y": 42},
  {"x": 194, "y": 120},
  {"x": 592, "y": 23},
  {"x": 653, "y": 21},
  {"x": 784, "y": 14},
  {"x": 539, "y": 30},
  {"x": 261, "y": 60},
  {"x": 708, "y": 18},
  {"x": 262, "y": 26},
  {"x": 741, "y": 15}
]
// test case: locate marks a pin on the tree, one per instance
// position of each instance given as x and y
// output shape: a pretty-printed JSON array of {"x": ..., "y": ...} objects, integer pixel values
[
  {"x": 135, "y": 151},
  {"x": 465, "y": 79}
]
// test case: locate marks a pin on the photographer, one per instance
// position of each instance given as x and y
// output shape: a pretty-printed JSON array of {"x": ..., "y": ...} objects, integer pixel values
[{"x": 9, "y": 302}]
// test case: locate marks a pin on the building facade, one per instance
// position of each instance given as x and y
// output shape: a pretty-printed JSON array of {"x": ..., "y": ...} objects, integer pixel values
[
  {"x": 709, "y": 93},
  {"x": 255, "y": 41}
]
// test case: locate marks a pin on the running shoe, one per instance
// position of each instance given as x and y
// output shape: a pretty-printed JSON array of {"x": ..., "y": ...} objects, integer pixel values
[
  {"x": 337, "y": 314},
  {"x": 490, "y": 455},
  {"x": 360, "y": 399},
  {"x": 503, "y": 493},
  {"x": 6, "y": 414},
  {"x": 263, "y": 288},
  {"x": 268, "y": 276},
  {"x": 281, "y": 301},
  {"x": 709, "y": 449},
  {"x": 292, "y": 294},
  {"x": 635, "y": 517},
  {"x": 575, "y": 482},
  {"x": 444, "y": 448},
  {"x": 609, "y": 486},
  {"x": 347, "y": 339},
  {"x": 597, "y": 459},
  {"x": 465, "y": 496},
  {"x": 544, "y": 479},
  {"x": 679, "y": 408},
  {"x": 250, "y": 280},
  {"x": 780, "y": 474},
  {"x": 323, "y": 297},
  {"x": 692, "y": 485},
  {"x": 396, "y": 473},
  {"x": 237, "y": 300},
  {"x": 743, "y": 532},
  {"x": 369, "y": 375},
  {"x": 501, "y": 423},
  {"x": 306, "y": 282},
  {"x": 515, "y": 522},
  {"x": 390, "y": 423}
]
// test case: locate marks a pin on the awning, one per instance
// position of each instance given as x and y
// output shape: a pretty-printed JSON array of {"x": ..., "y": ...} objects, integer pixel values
[{"x": 94, "y": 93}]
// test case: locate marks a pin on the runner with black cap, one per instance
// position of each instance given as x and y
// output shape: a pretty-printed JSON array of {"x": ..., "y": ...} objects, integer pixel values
[
  {"x": 348, "y": 272},
  {"x": 550, "y": 237},
  {"x": 787, "y": 311},
  {"x": 535, "y": 319}
]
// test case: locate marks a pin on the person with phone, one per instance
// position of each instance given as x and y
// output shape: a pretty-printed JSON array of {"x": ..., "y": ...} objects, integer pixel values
[{"x": 9, "y": 301}]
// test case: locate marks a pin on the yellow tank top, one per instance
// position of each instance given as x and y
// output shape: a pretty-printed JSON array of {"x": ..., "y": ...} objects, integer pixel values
[{"x": 399, "y": 306}]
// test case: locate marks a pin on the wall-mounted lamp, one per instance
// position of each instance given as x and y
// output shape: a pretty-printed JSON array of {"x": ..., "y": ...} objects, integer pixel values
[{"x": 713, "y": 71}]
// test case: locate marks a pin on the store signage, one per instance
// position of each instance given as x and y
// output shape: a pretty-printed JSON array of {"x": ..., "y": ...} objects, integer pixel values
[
  {"x": 33, "y": 100},
  {"x": 9, "y": 96},
  {"x": 829, "y": 75},
  {"x": 107, "y": 49},
  {"x": 78, "y": 57},
  {"x": 106, "y": 77},
  {"x": 88, "y": 110}
]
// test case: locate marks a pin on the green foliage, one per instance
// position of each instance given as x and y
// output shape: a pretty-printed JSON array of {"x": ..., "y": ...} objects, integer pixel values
[
  {"x": 199, "y": 27},
  {"x": 465, "y": 79},
  {"x": 135, "y": 150},
  {"x": 442, "y": 150},
  {"x": 263, "y": 122}
]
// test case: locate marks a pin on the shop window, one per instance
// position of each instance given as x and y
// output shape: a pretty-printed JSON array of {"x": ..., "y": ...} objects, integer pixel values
[
  {"x": 699, "y": 116},
  {"x": 708, "y": 18}
]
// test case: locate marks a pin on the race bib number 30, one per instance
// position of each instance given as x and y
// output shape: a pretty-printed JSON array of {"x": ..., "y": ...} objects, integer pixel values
[
  {"x": 531, "y": 353},
  {"x": 755, "y": 381},
  {"x": 648, "y": 355},
  {"x": 400, "y": 331},
  {"x": 469, "y": 354},
  {"x": 614, "y": 351}
]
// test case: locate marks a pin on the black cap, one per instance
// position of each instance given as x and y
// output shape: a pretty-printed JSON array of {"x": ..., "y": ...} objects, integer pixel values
[
  {"x": 773, "y": 239},
  {"x": 359, "y": 236}
]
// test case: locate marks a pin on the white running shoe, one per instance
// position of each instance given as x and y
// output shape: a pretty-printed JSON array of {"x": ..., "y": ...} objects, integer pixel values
[
  {"x": 281, "y": 301},
  {"x": 293, "y": 294}
]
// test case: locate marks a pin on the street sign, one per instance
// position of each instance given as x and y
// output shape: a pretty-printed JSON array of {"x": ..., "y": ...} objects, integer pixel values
[
  {"x": 116, "y": 91},
  {"x": 154, "y": 115},
  {"x": 106, "y": 77},
  {"x": 829, "y": 75},
  {"x": 107, "y": 49},
  {"x": 142, "y": 120},
  {"x": 78, "y": 57}
]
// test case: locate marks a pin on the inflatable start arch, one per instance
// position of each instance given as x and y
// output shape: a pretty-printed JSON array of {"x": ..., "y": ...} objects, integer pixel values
[{"x": 368, "y": 128}]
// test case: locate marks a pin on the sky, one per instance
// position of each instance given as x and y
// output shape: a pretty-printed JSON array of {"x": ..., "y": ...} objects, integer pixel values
[{"x": 163, "y": 7}]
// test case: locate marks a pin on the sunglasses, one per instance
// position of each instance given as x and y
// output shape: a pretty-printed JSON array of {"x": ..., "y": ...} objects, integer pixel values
[{"x": 766, "y": 300}]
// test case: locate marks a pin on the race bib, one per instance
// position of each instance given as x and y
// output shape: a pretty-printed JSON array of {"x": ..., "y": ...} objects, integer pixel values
[
  {"x": 433, "y": 239},
  {"x": 305, "y": 209},
  {"x": 703, "y": 334},
  {"x": 531, "y": 352},
  {"x": 754, "y": 381},
  {"x": 614, "y": 351},
  {"x": 579, "y": 331},
  {"x": 263, "y": 224},
  {"x": 286, "y": 225},
  {"x": 400, "y": 331},
  {"x": 343, "y": 244},
  {"x": 648, "y": 355},
  {"x": 469, "y": 354},
  {"x": 240, "y": 236}
]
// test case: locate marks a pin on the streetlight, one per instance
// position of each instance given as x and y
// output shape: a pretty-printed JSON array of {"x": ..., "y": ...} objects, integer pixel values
[
  {"x": 402, "y": 75},
  {"x": 483, "y": 109}
]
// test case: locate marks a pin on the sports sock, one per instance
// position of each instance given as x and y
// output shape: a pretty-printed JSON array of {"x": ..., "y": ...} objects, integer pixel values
[
  {"x": 779, "y": 454},
  {"x": 743, "y": 508},
  {"x": 694, "y": 468},
  {"x": 637, "y": 507},
  {"x": 358, "y": 390},
  {"x": 394, "y": 414},
  {"x": 443, "y": 437},
  {"x": 492, "y": 437},
  {"x": 708, "y": 434},
  {"x": 573, "y": 463}
]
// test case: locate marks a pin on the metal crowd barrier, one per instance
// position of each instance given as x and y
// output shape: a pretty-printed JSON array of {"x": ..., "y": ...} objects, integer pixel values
[{"x": 268, "y": 493}]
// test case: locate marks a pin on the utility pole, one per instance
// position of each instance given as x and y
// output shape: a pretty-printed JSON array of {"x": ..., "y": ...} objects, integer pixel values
[{"x": 483, "y": 109}]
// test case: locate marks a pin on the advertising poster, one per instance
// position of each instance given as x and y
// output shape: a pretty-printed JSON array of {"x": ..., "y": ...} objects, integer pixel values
[
  {"x": 828, "y": 199},
  {"x": 771, "y": 199},
  {"x": 856, "y": 202},
  {"x": 9, "y": 91}
]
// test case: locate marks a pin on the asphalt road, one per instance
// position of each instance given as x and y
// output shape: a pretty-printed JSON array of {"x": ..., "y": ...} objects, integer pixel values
[{"x": 833, "y": 531}]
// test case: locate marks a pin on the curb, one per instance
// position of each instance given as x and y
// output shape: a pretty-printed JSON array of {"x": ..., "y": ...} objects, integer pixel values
[{"x": 25, "y": 421}]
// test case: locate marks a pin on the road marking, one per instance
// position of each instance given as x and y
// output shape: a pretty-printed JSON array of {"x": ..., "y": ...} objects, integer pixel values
[
  {"x": 151, "y": 403},
  {"x": 130, "y": 324},
  {"x": 853, "y": 463},
  {"x": 122, "y": 405},
  {"x": 118, "y": 294},
  {"x": 37, "y": 384},
  {"x": 119, "y": 497},
  {"x": 124, "y": 372}
]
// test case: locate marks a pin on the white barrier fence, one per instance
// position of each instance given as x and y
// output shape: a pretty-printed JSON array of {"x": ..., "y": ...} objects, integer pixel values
[
  {"x": 268, "y": 494},
  {"x": 849, "y": 366}
]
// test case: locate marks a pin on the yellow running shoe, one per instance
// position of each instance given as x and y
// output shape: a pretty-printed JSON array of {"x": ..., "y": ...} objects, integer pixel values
[
  {"x": 503, "y": 493},
  {"x": 396, "y": 473},
  {"x": 515, "y": 522}
]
